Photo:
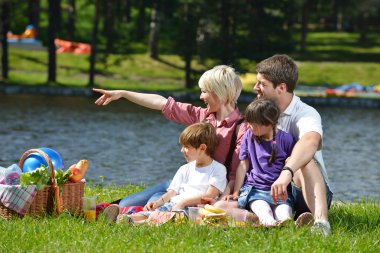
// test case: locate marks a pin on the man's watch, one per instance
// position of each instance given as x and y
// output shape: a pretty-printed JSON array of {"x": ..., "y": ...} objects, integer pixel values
[{"x": 288, "y": 169}]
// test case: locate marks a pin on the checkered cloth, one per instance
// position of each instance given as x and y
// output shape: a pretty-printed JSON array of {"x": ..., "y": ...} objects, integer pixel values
[{"x": 17, "y": 198}]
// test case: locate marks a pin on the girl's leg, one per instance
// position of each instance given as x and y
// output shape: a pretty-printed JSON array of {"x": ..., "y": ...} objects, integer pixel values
[
  {"x": 282, "y": 212},
  {"x": 263, "y": 210},
  {"x": 141, "y": 198}
]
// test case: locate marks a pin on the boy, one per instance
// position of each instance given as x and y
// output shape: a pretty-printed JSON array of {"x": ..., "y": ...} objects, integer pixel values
[{"x": 201, "y": 177}]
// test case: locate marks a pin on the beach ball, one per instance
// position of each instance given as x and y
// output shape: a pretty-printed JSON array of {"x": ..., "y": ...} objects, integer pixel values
[{"x": 34, "y": 160}]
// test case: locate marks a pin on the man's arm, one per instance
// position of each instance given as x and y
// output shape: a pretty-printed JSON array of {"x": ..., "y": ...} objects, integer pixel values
[{"x": 303, "y": 152}]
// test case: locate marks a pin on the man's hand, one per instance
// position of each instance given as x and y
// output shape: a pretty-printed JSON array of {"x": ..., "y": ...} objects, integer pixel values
[{"x": 279, "y": 187}]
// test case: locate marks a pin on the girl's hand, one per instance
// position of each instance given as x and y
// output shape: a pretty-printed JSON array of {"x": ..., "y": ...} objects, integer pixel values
[
  {"x": 107, "y": 97},
  {"x": 230, "y": 197}
]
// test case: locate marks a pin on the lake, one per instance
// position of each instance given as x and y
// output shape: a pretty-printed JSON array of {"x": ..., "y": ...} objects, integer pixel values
[{"x": 126, "y": 143}]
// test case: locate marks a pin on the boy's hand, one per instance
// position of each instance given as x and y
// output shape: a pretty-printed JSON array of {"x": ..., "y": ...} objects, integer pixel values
[
  {"x": 150, "y": 206},
  {"x": 178, "y": 206},
  {"x": 207, "y": 200}
]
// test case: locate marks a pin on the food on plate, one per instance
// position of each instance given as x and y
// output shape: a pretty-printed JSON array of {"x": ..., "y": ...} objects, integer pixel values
[{"x": 214, "y": 209}]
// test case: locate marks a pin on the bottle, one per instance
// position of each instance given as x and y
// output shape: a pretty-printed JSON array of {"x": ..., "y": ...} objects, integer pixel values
[{"x": 12, "y": 175}]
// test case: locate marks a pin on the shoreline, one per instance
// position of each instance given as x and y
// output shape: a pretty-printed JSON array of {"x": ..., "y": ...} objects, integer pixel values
[{"x": 316, "y": 100}]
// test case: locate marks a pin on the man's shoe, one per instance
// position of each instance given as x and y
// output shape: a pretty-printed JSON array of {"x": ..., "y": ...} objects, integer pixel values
[{"x": 321, "y": 227}]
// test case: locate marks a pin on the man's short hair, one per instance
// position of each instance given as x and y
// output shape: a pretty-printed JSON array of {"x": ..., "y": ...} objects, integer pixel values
[{"x": 278, "y": 69}]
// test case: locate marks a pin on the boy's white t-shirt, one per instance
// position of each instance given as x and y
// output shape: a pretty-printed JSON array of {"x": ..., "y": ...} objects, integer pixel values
[{"x": 190, "y": 181}]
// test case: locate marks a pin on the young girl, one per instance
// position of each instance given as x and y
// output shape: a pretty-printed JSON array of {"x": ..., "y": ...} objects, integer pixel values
[
  {"x": 263, "y": 152},
  {"x": 201, "y": 177}
]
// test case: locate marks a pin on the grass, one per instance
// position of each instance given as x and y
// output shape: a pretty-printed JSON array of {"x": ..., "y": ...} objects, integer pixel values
[
  {"x": 331, "y": 58},
  {"x": 356, "y": 228}
]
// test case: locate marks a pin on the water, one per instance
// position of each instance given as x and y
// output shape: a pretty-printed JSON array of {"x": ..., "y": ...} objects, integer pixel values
[{"x": 126, "y": 143}]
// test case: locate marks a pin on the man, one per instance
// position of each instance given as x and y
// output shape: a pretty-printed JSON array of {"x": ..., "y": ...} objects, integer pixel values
[{"x": 276, "y": 79}]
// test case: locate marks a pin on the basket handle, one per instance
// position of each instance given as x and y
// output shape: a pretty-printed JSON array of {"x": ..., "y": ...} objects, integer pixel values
[{"x": 45, "y": 156}]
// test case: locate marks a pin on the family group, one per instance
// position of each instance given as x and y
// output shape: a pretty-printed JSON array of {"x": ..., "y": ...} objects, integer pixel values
[{"x": 267, "y": 160}]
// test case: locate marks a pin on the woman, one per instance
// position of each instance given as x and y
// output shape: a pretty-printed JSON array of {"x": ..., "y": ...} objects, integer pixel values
[{"x": 220, "y": 89}]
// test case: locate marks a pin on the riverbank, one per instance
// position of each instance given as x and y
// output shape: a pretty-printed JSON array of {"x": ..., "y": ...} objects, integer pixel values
[
  {"x": 314, "y": 96},
  {"x": 355, "y": 228}
]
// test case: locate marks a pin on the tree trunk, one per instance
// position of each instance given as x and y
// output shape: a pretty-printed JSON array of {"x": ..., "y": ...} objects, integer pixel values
[
  {"x": 34, "y": 14},
  {"x": 127, "y": 11},
  {"x": 52, "y": 29},
  {"x": 187, "y": 49},
  {"x": 71, "y": 19},
  {"x": 304, "y": 24},
  {"x": 94, "y": 45},
  {"x": 337, "y": 15},
  {"x": 225, "y": 32},
  {"x": 363, "y": 24},
  {"x": 140, "y": 26},
  {"x": 154, "y": 32},
  {"x": 5, "y": 9},
  {"x": 109, "y": 22}
]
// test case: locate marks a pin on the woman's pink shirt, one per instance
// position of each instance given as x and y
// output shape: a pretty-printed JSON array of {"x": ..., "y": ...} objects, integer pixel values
[{"x": 188, "y": 114}]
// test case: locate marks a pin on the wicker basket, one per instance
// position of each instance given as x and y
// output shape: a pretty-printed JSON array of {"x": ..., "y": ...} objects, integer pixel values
[{"x": 44, "y": 201}]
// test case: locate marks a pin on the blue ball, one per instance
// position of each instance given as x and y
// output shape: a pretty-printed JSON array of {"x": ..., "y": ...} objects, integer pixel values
[{"x": 34, "y": 160}]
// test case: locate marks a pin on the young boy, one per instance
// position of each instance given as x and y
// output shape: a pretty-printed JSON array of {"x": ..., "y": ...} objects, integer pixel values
[{"x": 201, "y": 177}]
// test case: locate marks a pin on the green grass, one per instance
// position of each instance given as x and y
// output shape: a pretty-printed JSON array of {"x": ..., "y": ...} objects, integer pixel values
[
  {"x": 356, "y": 228},
  {"x": 331, "y": 58}
]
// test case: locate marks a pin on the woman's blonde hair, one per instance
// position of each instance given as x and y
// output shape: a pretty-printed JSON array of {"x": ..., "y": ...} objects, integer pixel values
[{"x": 224, "y": 82}]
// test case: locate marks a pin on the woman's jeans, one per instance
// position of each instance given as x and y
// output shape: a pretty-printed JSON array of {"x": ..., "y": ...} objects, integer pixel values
[{"x": 145, "y": 196}]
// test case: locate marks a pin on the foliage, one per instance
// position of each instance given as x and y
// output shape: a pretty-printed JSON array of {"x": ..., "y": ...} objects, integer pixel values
[{"x": 356, "y": 228}]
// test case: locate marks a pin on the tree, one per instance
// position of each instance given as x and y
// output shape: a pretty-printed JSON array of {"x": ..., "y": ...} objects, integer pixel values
[
  {"x": 5, "y": 9},
  {"x": 109, "y": 23},
  {"x": 305, "y": 9},
  {"x": 225, "y": 38},
  {"x": 34, "y": 13},
  {"x": 54, "y": 9},
  {"x": 94, "y": 44},
  {"x": 71, "y": 19},
  {"x": 186, "y": 36},
  {"x": 140, "y": 22},
  {"x": 154, "y": 32}
]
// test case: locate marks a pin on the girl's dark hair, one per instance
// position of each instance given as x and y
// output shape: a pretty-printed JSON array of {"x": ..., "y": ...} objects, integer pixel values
[{"x": 264, "y": 112}]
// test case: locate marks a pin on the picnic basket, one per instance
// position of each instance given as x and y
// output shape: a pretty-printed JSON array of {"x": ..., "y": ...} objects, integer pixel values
[{"x": 45, "y": 201}]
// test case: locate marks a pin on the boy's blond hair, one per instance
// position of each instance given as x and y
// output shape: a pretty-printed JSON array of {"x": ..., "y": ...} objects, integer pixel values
[
  {"x": 200, "y": 133},
  {"x": 224, "y": 82}
]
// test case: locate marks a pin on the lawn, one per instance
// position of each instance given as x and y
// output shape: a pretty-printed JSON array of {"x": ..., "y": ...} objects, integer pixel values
[
  {"x": 331, "y": 59},
  {"x": 356, "y": 228}
]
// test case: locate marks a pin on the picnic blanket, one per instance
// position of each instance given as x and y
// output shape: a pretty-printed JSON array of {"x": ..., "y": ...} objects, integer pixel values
[
  {"x": 123, "y": 210},
  {"x": 17, "y": 198}
]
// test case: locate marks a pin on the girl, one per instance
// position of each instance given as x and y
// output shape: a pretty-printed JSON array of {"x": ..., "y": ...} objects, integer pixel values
[{"x": 263, "y": 152}]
